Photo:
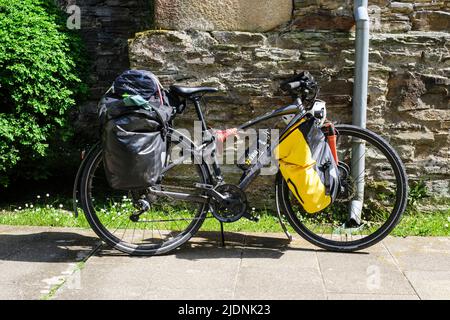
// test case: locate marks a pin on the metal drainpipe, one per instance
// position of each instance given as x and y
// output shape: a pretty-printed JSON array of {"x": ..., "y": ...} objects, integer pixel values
[{"x": 360, "y": 92}]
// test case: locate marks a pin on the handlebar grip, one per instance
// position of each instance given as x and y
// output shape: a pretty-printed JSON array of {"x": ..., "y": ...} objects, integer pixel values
[
  {"x": 295, "y": 85},
  {"x": 303, "y": 81}
]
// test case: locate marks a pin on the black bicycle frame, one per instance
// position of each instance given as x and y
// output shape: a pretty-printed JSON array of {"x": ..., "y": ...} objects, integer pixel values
[{"x": 297, "y": 109}]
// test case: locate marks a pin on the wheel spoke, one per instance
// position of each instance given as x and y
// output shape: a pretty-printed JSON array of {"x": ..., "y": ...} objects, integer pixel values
[
  {"x": 110, "y": 212},
  {"x": 382, "y": 203}
]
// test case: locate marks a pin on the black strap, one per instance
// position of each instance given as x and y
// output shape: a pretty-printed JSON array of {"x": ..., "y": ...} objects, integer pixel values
[
  {"x": 325, "y": 167},
  {"x": 296, "y": 191},
  {"x": 125, "y": 110},
  {"x": 164, "y": 123},
  {"x": 119, "y": 109},
  {"x": 159, "y": 114}
]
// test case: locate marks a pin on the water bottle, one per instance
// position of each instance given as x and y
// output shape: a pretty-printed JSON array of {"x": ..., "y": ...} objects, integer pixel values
[{"x": 252, "y": 153}]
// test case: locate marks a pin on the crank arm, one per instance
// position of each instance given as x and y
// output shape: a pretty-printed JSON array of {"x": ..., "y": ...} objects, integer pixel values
[{"x": 209, "y": 189}]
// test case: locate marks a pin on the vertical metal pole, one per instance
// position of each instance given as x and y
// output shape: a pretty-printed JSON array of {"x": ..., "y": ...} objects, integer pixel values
[{"x": 360, "y": 92}]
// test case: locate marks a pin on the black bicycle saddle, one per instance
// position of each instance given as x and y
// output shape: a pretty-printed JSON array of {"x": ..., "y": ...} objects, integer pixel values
[{"x": 191, "y": 92}]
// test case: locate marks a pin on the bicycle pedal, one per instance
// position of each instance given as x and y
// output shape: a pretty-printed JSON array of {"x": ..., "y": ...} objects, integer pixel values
[{"x": 251, "y": 217}]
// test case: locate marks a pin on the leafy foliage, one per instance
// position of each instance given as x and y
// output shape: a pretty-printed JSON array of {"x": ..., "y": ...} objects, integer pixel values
[
  {"x": 418, "y": 191},
  {"x": 41, "y": 67}
]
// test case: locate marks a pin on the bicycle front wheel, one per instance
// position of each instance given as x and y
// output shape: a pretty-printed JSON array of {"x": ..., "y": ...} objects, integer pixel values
[
  {"x": 116, "y": 217},
  {"x": 371, "y": 202}
]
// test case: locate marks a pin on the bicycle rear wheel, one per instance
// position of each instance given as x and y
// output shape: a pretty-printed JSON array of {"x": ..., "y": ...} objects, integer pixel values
[
  {"x": 356, "y": 220},
  {"x": 166, "y": 225}
]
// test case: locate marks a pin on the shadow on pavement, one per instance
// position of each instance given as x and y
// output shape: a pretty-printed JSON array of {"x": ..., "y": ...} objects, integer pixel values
[
  {"x": 48, "y": 247},
  {"x": 208, "y": 245},
  {"x": 54, "y": 247}
]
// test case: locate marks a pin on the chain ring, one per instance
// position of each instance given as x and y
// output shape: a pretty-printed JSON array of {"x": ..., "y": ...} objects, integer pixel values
[{"x": 233, "y": 212}]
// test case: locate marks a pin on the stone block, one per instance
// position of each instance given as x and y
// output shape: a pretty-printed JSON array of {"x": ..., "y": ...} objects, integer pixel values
[
  {"x": 321, "y": 21},
  {"x": 402, "y": 7},
  {"x": 239, "y": 15},
  {"x": 432, "y": 21}
]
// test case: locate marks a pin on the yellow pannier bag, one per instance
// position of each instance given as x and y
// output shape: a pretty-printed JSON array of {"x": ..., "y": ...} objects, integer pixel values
[{"x": 308, "y": 166}]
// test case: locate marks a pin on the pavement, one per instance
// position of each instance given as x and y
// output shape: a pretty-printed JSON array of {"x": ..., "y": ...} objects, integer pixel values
[{"x": 66, "y": 263}]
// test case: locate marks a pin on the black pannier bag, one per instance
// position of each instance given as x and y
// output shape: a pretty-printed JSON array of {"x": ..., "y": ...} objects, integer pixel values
[{"x": 133, "y": 117}]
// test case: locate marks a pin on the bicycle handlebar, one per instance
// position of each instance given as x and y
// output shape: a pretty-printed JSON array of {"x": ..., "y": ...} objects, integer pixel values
[
  {"x": 303, "y": 81},
  {"x": 302, "y": 85}
]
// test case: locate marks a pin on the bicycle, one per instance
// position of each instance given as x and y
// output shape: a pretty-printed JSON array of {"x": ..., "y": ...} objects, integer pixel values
[{"x": 161, "y": 218}]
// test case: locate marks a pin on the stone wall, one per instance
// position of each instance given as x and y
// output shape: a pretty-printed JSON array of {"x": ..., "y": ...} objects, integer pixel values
[
  {"x": 106, "y": 26},
  {"x": 409, "y": 72}
]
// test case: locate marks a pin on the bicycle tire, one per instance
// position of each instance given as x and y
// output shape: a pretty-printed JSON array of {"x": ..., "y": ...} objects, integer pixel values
[
  {"x": 116, "y": 243},
  {"x": 394, "y": 218}
]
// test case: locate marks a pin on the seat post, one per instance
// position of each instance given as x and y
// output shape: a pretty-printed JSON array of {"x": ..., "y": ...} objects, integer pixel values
[
  {"x": 198, "y": 108},
  {"x": 199, "y": 111}
]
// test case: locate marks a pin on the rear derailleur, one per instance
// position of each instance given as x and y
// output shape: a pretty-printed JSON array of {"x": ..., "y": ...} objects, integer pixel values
[
  {"x": 143, "y": 206},
  {"x": 142, "y": 203}
]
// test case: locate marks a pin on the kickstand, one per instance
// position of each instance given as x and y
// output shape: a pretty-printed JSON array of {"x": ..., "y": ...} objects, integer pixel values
[
  {"x": 222, "y": 234},
  {"x": 280, "y": 217}
]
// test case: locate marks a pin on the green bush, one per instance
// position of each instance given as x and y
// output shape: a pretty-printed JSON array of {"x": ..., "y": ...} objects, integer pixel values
[{"x": 41, "y": 72}]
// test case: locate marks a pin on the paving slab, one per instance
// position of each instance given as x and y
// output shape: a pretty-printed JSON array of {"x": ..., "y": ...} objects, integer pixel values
[
  {"x": 154, "y": 293},
  {"x": 286, "y": 284},
  {"x": 279, "y": 259},
  {"x": 430, "y": 285},
  {"x": 373, "y": 271},
  {"x": 107, "y": 282},
  {"x": 274, "y": 251},
  {"x": 365, "y": 296},
  {"x": 198, "y": 269},
  {"x": 416, "y": 253},
  {"x": 19, "y": 291},
  {"x": 35, "y": 261},
  {"x": 202, "y": 275}
]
